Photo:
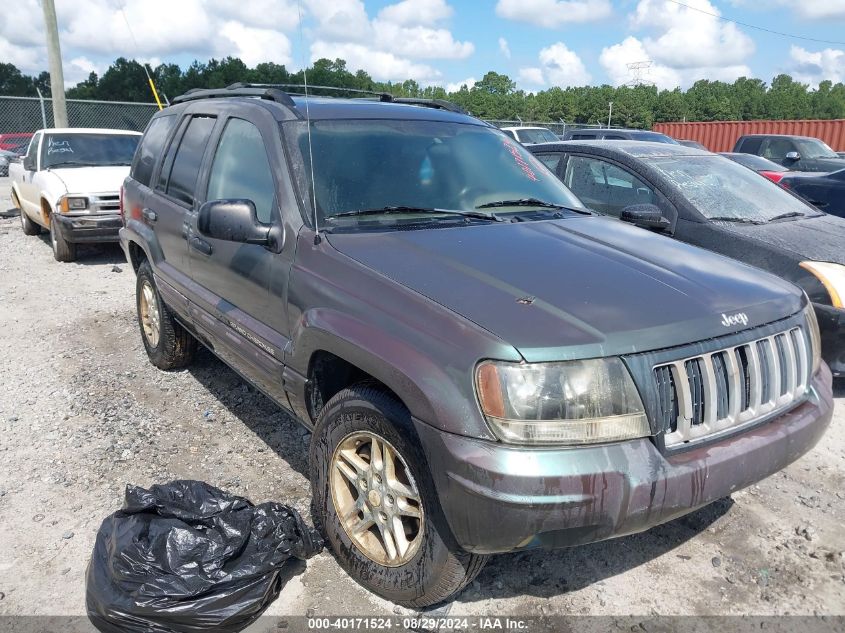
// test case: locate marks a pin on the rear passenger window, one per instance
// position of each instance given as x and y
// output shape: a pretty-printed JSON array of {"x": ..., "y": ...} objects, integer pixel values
[
  {"x": 241, "y": 169},
  {"x": 186, "y": 163},
  {"x": 151, "y": 148}
]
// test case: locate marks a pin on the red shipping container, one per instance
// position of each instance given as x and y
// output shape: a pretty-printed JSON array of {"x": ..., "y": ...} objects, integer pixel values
[{"x": 721, "y": 136}]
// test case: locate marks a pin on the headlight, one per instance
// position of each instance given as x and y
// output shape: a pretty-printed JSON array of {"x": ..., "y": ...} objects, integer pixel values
[
  {"x": 832, "y": 277},
  {"x": 68, "y": 203},
  {"x": 576, "y": 402},
  {"x": 815, "y": 337}
]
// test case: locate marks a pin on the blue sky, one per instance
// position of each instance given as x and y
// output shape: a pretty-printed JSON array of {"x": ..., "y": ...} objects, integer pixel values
[{"x": 538, "y": 43}]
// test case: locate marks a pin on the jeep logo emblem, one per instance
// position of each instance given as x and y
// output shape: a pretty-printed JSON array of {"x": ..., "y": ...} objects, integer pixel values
[{"x": 734, "y": 319}]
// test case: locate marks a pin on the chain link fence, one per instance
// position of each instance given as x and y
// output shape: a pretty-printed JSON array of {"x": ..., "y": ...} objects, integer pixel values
[{"x": 28, "y": 114}]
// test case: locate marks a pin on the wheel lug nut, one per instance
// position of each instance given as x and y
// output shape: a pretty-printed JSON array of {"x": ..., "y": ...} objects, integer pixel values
[
  {"x": 377, "y": 479},
  {"x": 382, "y": 516},
  {"x": 389, "y": 500}
]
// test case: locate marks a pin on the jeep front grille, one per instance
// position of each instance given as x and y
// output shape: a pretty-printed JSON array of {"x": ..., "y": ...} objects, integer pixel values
[{"x": 705, "y": 395}]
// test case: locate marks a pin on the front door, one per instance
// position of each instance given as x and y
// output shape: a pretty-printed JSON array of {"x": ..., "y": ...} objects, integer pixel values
[{"x": 232, "y": 298}]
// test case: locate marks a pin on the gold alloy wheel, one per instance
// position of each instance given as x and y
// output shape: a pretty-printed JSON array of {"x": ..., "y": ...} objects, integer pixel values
[
  {"x": 376, "y": 499},
  {"x": 150, "y": 315}
]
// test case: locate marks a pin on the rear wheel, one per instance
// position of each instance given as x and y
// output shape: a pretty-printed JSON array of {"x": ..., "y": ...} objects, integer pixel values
[
  {"x": 374, "y": 497},
  {"x": 63, "y": 251},
  {"x": 168, "y": 344},
  {"x": 29, "y": 227}
]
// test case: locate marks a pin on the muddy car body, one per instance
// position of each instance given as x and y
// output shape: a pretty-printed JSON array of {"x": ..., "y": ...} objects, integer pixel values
[{"x": 482, "y": 373}]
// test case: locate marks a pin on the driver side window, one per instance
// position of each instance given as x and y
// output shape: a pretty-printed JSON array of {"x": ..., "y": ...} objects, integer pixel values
[
  {"x": 605, "y": 186},
  {"x": 32, "y": 151},
  {"x": 242, "y": 170},
  {"x": 777, "y": 148}
]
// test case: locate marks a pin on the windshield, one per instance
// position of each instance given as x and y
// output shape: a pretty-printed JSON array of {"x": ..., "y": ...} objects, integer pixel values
[
  {"x": 757, "y": 163},
  {"x": 654, "y": 137},
  {"x": 362, "y": 165},
  {"x": 814, "y": 148},
  {"x": 723, "y": 189},
  {"x": 88, "y": 150},
  {"x": 537, "y": 135}
]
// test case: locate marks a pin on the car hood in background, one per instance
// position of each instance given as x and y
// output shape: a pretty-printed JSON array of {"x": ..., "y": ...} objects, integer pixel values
[
  {"x": 820, "y": 238},
  {"x": 827, "y": 164},
  {"x": 92, "y": 179},
  {"x": 575, "y": 288}
]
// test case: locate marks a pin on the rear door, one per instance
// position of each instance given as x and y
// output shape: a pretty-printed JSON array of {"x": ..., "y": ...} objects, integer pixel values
[{"x": 174, "y": 197}]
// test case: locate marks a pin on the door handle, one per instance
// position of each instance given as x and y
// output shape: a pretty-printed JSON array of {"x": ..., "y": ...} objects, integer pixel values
[
  {"x": 149, "y": 215},
  {"x": 199, "y": 244}
]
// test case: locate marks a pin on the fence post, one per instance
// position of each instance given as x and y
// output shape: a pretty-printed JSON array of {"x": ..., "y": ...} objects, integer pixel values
[{"x": 43, "y": 112}]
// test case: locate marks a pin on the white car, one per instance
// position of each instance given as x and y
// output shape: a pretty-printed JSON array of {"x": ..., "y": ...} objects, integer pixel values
[
  {"x": 68, "y": 182},
  {"x": 530, "y": 135}
]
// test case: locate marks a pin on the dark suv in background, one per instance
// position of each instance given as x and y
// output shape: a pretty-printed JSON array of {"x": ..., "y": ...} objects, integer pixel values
[
  {"x": 484, "y": 364},
  {"x": 797, "y": 153}
]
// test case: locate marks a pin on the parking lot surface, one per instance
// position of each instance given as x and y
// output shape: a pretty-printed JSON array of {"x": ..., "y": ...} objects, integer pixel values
[{"x": 83, "y": 413}]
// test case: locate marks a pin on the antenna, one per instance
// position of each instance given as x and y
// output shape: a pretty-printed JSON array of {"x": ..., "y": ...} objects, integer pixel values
[
  {"x": 639, "y": 73},
  {"x": 308, "y": 125}
]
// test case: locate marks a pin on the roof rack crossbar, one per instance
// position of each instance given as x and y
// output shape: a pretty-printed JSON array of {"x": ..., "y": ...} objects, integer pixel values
[
  {"x": 383, "y": 96},
  {"x": 440, "y": 104},
  {"x": 236, "y": 90}
]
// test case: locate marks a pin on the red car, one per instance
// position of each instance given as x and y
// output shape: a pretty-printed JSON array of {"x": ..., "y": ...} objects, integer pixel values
[{"x": 16, "y": 142}]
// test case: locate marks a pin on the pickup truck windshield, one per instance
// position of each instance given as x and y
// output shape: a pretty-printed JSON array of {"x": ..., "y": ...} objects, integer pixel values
[
  {"x": 367, "y": 165},
  {"x": 726, "y": 191},
  {"x": 814, "y": 148},
  {"x": 87, "y": 150}
]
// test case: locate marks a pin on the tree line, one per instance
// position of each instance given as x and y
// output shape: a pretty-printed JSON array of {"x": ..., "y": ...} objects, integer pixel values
[{"x": 494, "y": 97}]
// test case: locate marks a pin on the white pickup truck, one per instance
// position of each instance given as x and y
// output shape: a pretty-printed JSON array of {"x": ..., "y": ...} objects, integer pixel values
[{"x": 68, "y": 182}]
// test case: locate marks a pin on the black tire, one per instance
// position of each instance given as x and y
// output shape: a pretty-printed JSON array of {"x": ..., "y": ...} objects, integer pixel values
[
  {"x": 29, "y": 227},
  {"x": 63, "y": 251},
  {"x": 440, "y": 568},
  {"x": 175, "y": 347}
]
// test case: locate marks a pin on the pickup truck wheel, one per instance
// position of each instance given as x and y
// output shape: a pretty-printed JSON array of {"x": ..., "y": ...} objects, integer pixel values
[
  {"x": 376, "y": 503},
  {"x": 29, "y": 227},
  {"x": 63, "y": 251},
  {"x": 168, "y": 344}
]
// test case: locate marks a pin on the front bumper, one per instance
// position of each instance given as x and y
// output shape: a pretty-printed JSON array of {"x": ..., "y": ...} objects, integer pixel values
[
  {"x": 832, "y": 329},
  {"x": 88, "y": 228},
  {"x": 500, "y": 498}
]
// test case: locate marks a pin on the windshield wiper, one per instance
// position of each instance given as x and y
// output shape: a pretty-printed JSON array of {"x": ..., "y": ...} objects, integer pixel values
[
  {"x": 531, "y": 202},
  {"x": 70, "y": 163},
  {"x": 408, "y": 209},
  {"x": 791, "y": 214},
  {"x": 728, "y": 218}
]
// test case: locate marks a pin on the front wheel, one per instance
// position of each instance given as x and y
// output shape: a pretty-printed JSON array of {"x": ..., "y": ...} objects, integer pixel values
[
  {"x": 63, "y": 251},
  {"x": 168, "y": 344},
  {"x": 375, "y": 500},
  {"x": 28, "y": 226}
]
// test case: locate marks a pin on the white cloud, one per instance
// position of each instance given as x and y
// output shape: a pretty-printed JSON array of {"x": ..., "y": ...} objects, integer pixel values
[
  {"x": 683, "y": 45},
  {"x": 382, "y": 65},
  {"x": 504, "y": 47},
  {"x": 819, "y": 9},
  {"x": 559, "y": 66},
  {"x": 554, "y": 13},
  {"x": 78, "y": 70},
  {"x": 812, "y": 68},
  {"x": 256, "y": 45},
  {"x": 416, "y": 12},
  {"x": 469, "y": 82},
  {"x": 532, "y": 77},
  {"x": 390, "y": 46}
]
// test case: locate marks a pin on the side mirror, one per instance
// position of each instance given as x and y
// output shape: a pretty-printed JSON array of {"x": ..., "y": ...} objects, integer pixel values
[
  {"x": 234, "y": 221},
  {"x": 647, "y": 216},
  {"x": 792, "y": 156},
  {"x": 28, "y": 163}
]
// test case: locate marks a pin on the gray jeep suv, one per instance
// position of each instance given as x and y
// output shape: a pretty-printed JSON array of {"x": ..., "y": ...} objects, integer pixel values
[{"x": 484, "y": 364}]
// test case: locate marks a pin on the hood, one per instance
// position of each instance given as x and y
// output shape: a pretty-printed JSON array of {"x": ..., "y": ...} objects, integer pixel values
[
  {"x": 819, "y": 238},
  {"x": 576, "y": 288},
  {"x": 92, "y": 179},
  {"x": 827, "y": 164}
]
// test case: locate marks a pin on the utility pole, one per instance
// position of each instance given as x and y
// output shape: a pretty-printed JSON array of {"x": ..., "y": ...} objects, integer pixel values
[
  {"x": 54, "y": 53},
  {"x": 610, "y": 114}
]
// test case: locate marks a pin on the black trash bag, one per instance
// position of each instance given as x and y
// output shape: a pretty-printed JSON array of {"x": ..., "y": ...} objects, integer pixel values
[{"x": 186, "y": 556}]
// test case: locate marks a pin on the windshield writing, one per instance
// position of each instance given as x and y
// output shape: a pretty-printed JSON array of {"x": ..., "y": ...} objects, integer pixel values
[{"x": 68, "y": 150}]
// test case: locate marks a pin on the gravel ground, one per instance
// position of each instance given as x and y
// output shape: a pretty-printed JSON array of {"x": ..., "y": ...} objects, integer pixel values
[{"x": 82, "y": 413}]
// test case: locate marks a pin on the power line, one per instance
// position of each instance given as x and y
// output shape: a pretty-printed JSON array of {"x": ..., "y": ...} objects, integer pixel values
[{"x": 758, "y": 28}]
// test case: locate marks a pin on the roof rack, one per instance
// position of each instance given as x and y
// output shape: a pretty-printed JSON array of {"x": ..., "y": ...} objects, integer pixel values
[{"x": 273, "y": 92}]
